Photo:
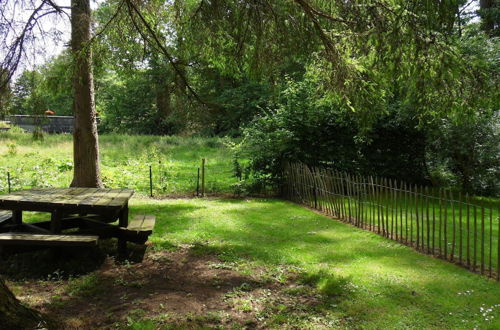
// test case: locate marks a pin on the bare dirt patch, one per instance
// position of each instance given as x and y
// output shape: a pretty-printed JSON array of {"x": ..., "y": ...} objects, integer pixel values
[{"x": 170, "y": 289}]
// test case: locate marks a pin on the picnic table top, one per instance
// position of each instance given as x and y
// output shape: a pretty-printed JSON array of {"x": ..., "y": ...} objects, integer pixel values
[{"x": 67, "y": 197}]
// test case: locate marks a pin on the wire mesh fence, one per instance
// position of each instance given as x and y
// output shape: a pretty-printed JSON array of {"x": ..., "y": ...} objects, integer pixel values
[
  {"x": 153, "y": 179},
  {"x": 450, "y": 226}
]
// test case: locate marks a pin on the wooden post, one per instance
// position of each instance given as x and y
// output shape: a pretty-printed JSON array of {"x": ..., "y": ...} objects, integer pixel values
[
  {"x": 422, "y": 228},
  {"x": 309, "y": 186},
  {"x": 359, "y": 208},
  {"x": 474, "y": 256},
  {"x": 388, "y": 206},
  {"x": 333, "y": 192},
  {"x": 467, "y": 226},
  {"x": 401, "y": 206},
  {"x": 428, "y": 238},
  {"x": 319, "y": 190},
  {"x": 433, "y": 225},
  {"x": 315, "y": 190},
  {"x": 332, "y": 188},
  {"x": 372, "y": 203},
  {"x": 202, "y": 177},
  {"x": 416, "y": 216},
  {"x": 482, "y": 239},
  {"x": 347, "y": 181},
  {"x": 393, "y": 200},
  {"x": 326, "y": 191},
  {"x": 440, "y": 233},
  {"x": 445, "y": 226},
  {"x": 151, "y": 181},
  {"x": 379, "y": 205},
  {"x": 17, "y": 217},
  {"x": 491, "y": 242},
  {"x": 8, "y": 181},
  {"x": 55, "y": 222},
  {"x": 406, "y": 213},
  {"x": 198, "y": 183},
  {"x": 359, "y": 191},
  {"x": 123, "y": 222},
  {"x": 460, "y": 234},
  {"x": 367, "y": 202},
  {"x": 498, "y": 243},
  {"x": 411, "y": 199},
  {"x": 340, "y": 185},
  {"x": 454, "y": 240}
]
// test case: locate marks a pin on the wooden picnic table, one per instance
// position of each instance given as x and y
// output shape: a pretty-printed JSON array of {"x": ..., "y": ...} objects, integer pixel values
[{"x": 69, "y": 208}]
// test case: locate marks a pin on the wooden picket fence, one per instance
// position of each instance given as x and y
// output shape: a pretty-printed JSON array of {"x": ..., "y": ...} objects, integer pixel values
[{"x": 434, "y": 222}]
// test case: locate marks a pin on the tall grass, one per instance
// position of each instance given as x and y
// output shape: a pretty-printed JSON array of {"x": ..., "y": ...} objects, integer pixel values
[{"x": 125, "y": 162}]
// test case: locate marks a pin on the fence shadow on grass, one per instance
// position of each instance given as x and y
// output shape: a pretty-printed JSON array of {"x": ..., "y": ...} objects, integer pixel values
[{"x": 438, "y": 223}]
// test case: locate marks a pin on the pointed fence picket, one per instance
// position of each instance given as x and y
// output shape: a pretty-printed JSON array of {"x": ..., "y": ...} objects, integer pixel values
[{"x": 434, "y": 222}]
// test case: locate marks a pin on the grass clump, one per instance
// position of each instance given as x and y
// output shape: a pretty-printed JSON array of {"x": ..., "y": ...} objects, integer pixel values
[
  {"x": 85, "y": 286},
  {"x": 327, "y": 284}
]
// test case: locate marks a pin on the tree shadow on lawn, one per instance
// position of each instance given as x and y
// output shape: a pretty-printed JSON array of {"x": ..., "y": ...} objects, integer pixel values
[
  {"x": 277, "y": 232},
  {"x": 365, "y": 274},
  {"x": 170, "y": 288},
  {"x": 51, "y": 263}
]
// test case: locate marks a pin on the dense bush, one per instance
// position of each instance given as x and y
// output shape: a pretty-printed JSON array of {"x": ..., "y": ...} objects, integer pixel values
[
  {"x": 305, "y": 125},
  {"x": 308, "y": 126},
  {"x": 466, "y": 153}
]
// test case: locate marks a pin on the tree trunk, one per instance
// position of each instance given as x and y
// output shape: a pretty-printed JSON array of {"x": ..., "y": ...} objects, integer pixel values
[
  {"x": 85, "y": 139},
  {"x": 486, "y": 12},
  {"x": 13, "y": 315},
  {"x": 163, "y": 102}
]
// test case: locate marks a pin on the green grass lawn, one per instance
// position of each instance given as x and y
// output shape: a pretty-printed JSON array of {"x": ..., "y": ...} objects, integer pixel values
[
  {"x": 365, "y": 280},
  {"x": 125, "y": 162},
  {"x": 463, "y": 227}
]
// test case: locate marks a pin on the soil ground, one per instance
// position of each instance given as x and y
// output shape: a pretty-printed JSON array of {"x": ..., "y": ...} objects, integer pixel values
[{"x": 180, "y": 288}]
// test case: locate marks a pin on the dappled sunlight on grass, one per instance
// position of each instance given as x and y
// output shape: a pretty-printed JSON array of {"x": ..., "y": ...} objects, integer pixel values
[{"x": 392, "y": 285}]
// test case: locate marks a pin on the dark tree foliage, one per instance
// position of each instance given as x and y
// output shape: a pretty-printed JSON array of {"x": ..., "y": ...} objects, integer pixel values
[{"x": 365, "y": 86}]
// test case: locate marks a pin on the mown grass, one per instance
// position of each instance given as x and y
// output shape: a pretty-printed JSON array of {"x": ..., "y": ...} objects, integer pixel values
[
  {"x": 125, "y": 161},
  {"x": 398, "y": 216},
  {"x": 367, "y": 281}
]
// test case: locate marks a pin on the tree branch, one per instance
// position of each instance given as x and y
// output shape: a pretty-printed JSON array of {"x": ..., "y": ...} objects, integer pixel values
[{"x": 133, "y": 9}]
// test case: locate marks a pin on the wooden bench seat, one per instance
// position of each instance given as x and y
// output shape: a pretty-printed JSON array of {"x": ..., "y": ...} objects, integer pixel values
[
  {"x": 139, "y": 229},
  {"x": 5, "y": 217},
  {"x": 47, "y": 240},
  {"x": 142, "y": 223}
]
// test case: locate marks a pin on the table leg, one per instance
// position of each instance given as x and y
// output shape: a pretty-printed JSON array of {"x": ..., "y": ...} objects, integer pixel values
[
  {"x": 55, "y": 222},
  {"x": 17, "y": 217},
  {"x": 123, "y": 222}
]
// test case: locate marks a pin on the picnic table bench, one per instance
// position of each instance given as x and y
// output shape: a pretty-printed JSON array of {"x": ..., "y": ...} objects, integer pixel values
[
  {"x": 5, "y": 216},
  {"x": 88, "y": 212},
  {"x": 47, "y": 240}
]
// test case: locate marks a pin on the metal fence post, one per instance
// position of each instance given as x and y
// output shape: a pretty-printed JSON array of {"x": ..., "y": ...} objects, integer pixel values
[{"x": 8, "y": 181}]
